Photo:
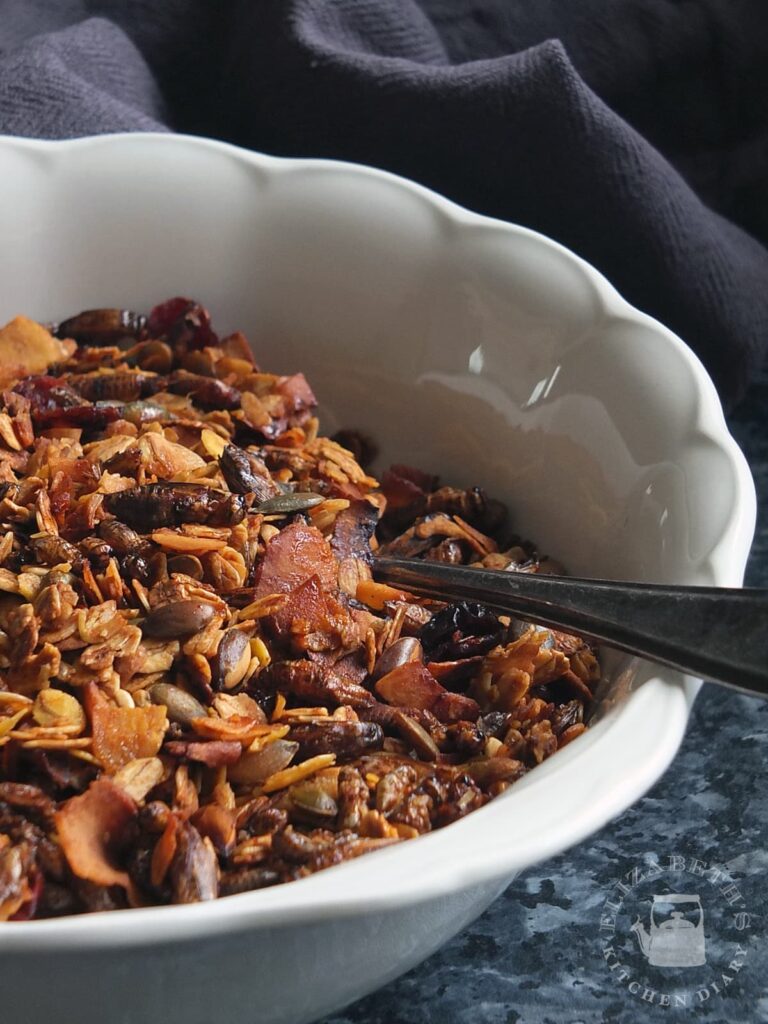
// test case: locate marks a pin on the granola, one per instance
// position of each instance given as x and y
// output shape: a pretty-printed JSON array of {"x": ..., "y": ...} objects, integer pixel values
[{"x": 203, "y": 689}]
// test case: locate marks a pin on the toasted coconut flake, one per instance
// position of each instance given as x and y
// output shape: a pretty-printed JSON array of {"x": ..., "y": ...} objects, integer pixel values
[
  {"x": 166, "y": 460},
  {"x": 409, "y": 685},
  {"x": 103, "y": 451},
  {"x": 121, "y": 735},
  {"x": 91, "y": 829},
  {"x": 26, "y": 347},
  {"x": 292, "y": 556}
]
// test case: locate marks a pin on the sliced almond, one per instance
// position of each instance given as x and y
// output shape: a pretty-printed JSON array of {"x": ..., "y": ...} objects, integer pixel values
[
  {"x": 280, "y": 780},
  {"x": 140, "y": 776},
  {"x": 213, "y": 444},
  {"x": 172, "y": 540}
]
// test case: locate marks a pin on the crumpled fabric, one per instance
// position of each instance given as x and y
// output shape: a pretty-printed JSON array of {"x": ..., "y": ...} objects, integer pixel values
[{"x": 633, "y": 131}]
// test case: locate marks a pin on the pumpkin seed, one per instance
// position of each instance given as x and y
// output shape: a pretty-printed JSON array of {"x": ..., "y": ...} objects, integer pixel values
[
  {"x": 415, "y": 734},
  {"x": 313, "y": 800},
  {"x": 231, "y": 660},
  {"x": 182, "y": 706},
  {"x": 178, "y": 619},
  {"x": 286, "y": 504},
  {"x": 254, "y": 768},
  {"x": 406, "y": 649}
]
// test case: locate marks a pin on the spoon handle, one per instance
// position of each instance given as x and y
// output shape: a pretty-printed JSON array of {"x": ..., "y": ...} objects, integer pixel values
[{"x": 707, "y": 632}]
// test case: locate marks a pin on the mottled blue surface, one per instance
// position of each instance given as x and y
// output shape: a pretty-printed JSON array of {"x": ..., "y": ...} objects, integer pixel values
[{"x": 536, "y": 956}]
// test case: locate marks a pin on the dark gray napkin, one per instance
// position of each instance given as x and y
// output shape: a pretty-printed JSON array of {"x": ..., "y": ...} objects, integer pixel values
[{"x": 634, "y": 131}]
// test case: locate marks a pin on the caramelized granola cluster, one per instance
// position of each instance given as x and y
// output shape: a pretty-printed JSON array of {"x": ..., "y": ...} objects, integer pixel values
[{"x": 203, "y": 690}]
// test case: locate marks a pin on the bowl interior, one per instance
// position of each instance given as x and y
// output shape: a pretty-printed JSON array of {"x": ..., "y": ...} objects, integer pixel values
[{"x": 485, "y": 353}]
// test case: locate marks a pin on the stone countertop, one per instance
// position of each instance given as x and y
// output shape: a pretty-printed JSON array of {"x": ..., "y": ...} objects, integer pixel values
[{"x": 537, "y": 956}]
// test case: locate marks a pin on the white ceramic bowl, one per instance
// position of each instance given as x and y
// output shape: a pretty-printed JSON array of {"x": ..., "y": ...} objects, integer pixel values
[{"x": 465, "y": 345}]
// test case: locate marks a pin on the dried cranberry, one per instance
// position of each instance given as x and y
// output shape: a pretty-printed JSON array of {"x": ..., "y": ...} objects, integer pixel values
[
  {"x": 165, "y": 315},
  {"x": 47, "y": 393},
  {"x": 425, "y": 482},
  {"x": 406, "y": 490},
  {"x": 461, "y": 630},
  {"x": 296, "y": 392},
  {"x": 185, "y": 323}
]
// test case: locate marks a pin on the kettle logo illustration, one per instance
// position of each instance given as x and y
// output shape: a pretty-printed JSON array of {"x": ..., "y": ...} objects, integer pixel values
[
  {"x": 651, "y": 930},
  {"x": 676, "y": 938}
]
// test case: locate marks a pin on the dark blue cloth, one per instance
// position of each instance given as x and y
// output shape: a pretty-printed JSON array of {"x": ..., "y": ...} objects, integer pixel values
[{"x": 634, "y": 131}]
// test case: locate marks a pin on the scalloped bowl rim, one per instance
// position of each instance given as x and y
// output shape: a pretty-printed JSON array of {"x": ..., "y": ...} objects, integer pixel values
[{"x": 476, "y": 849}]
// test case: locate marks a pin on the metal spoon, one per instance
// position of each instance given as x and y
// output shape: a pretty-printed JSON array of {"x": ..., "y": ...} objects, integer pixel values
[{"x": 707, "y": 632}]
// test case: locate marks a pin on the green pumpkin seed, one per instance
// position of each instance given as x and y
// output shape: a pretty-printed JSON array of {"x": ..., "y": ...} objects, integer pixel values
[
  {"x": 182, "y": 706},
  {"x": 286, "y": 504}
]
